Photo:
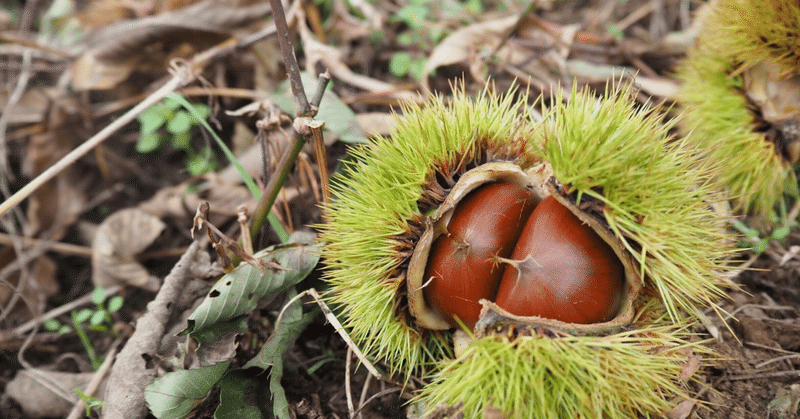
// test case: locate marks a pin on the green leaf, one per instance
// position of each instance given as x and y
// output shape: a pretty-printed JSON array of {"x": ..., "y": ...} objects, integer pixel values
[
  {"x": 180, "y": 122},
  {"x": 405, "y": 39},
  {"x": 202, "y": 110},
  {"x": 173, "y": 395},
  {"x": 148, "y": 143},
  {"x": 151, "y": 119},
  {"x": 238, "y": 292},
  {"x": 115, "y": 303},
  {"x": 412, "y": 15},
  {"x": 242, "y": 397},
  {"x": 761, "y": 246},
  {"x": 97, "y": 318},
  {"x": 399, "y": 64},
  {"x": 98, "y": 295},
  {"x": 82, "y": 315},
  {"x": 751, "y": 233},
  {"x": 65, "y": 328},
  {"x": 202, "y": 162},
  {"x": 181, "y": 141},
  {"x": 780, "y": 233},
  {"x": 51, "y": 325},
  {"x": 417, "y": 69},
  {"x": 338, "y": 117},
  {"x": 291, "y": 324},
  {"x": 171, "y": 103}
]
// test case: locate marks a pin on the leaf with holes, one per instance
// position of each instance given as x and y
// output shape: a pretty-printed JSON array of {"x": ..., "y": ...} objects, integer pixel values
[{"x": 238, "y": 292}]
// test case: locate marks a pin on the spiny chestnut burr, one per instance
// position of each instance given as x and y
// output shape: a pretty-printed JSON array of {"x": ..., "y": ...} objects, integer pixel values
[{"x": 609, "y": 161}]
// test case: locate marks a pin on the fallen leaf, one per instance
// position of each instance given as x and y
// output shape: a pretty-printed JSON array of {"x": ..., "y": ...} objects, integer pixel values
[
  {"x": 115, "y": 51},
  {"x": 467, "y": 42},
  {"x": 122, "y": 236},
  {"x": 683, "y": 410}
]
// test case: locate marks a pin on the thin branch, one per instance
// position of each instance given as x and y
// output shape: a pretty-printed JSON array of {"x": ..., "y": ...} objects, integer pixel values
[
  {"x": 322, "y": 84},
  {"x": 275, "y": 184},
  {"x": 322, "y": 160},
  {"x": 290, "y": 59}
]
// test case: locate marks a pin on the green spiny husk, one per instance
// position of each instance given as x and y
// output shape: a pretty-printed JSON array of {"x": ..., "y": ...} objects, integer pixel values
[
  {"x": 371, "y": 228},
  {"x": 737, "y": 35},
  {"x": 747, "y": 32},
  {"x": 623, "y": 375},
  {"x": 722, "y": 122},
  {"x": 655, "y": 192}
]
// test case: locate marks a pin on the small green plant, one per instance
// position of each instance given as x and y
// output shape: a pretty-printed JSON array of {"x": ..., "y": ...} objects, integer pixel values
[
  {"x": 752, "y": 236},
  {"x": 423, "y": 19},
  {"x": 97, "y": 319},
  {"x": 168, "y": 122},
  {"x": 89, "y": 402}
]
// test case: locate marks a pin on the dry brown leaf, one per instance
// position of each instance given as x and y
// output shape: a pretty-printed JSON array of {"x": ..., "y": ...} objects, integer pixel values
[
  {"x": 777, "y": 97},
  {"x": 683, "y": 410},
  {"x": 38, "y": 400},
  {"x": 41, "y": 285},
  {"x": 465, "y": 43},
  {"x": 122, "y": 236},
  {"x": 178, "y": 202},
  {"x": 114, "y": 51},
  {"x": 56, "y": 205}
]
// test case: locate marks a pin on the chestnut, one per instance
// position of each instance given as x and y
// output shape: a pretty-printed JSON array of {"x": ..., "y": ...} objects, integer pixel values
[
  {"x": 532, "y": 260},
  {"x": 463, "y": 265},
  {"x": 562, "y": 270}
]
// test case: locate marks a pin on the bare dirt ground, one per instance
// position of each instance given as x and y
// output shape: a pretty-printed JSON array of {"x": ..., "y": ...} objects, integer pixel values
[{"x": 69, "y": 68}]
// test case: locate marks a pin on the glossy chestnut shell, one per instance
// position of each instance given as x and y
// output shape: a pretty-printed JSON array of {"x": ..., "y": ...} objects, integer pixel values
[
  {"x": 464, "y": 263},
  {"x": 506, "y": 242},
  {"x": 561, "y": 269}
]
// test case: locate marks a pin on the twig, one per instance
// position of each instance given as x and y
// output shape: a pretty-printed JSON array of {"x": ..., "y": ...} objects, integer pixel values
[
  {"x": 275, "y": 184},
  {"x": 179, "y": 79},
  {"x": 290, "y": 59},
  {"x": 364, "y": 391},
  {"x": 322, "y": 160},
  {"x": 375, "y": 396},
  {"x": 778, "y": 359},
  {"x": 302, "y": 123},
  {"x": 58, "y": 247},
  {"x": 326, "y": 311},
  {"x": 348, "y": 359},
  {"x": 776, "y": 374}
]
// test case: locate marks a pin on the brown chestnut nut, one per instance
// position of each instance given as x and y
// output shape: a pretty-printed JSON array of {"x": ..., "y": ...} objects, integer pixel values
[
  {"x": 562, "y": 270},
  {"x": 463, "y": 265}
]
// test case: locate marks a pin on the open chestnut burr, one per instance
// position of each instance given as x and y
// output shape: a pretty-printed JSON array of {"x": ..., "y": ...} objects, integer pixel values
[{"x": 572, "y": 252}]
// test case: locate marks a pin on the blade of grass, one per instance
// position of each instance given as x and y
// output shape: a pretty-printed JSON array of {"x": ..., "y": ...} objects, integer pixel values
[{"x": 248, "y": 180}]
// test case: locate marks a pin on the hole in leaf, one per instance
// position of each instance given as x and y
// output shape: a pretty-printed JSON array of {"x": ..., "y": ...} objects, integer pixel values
[{"x": 214, "y": 294}]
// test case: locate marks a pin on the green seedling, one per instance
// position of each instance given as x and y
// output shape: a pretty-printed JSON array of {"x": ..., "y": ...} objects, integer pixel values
[
  {"x": 752, "y": 236},
  {"x": 168, "y": 123},
  {"x": 97, "y": 319},
  {"x": 89, "y": 402},
  {"x": 424, "y": 30}
]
